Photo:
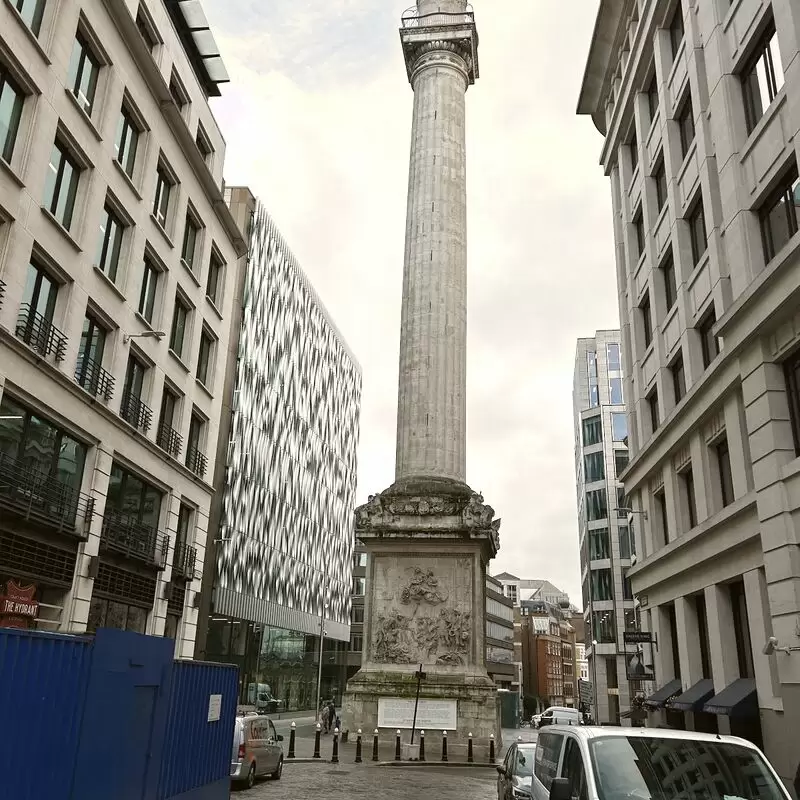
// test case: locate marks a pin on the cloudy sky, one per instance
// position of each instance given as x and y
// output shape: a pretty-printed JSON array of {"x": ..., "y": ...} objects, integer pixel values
[{"x": 317, "y": 122}]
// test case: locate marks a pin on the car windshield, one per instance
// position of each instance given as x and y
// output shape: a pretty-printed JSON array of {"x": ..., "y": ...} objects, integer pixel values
[
  {"x": 639, "y": 768},
  {"x": 525, "y": 757}
]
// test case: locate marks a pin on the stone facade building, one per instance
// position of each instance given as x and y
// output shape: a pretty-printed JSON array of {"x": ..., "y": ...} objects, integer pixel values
[
  {"x": 699, "y": 104},
  {"x": 118, "y": 254}
]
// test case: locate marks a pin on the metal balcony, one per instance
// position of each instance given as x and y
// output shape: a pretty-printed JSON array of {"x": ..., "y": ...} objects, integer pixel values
[
  {"x": 196, "y": 462},
  {"x": 134, "y": 540},
  {"x": 412, "y": 19},
  {"x": 35, "y": 496},
  {"x": 169, "y": 440},
  {"x": 91, "y": 376},
  {"x": 183, "y": 563},
  {"x": 135, "y": 412},
  {"x": 40, "y": 334}
]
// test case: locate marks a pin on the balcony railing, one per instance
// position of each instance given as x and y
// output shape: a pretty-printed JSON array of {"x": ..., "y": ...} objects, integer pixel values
[
  {"x": 184, "y": 562},
  {"x": 412, "y": 19},
  {"x": 169, "y": 439},
  {"x": 40, "y": 334},
  {"x": 135, "y": 412},
  {"x": 2, "y": 292},
  {"x": 134, "y": 539},
  {"x": 91, "y": 376},
  {"x": 33, "y": 495},
  {"x": 196, "y": 462}
]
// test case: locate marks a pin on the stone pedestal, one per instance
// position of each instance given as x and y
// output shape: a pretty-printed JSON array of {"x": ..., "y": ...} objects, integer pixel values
[{"x": 428, "y": 542}]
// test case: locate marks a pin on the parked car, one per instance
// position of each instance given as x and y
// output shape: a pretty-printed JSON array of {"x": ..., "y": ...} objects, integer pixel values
[
  {"x": 515, "y": 774},
  {"x": 643, "y": 763},
  {"x": 256, "y": 751},
  {"x": 560, "y": 715}
]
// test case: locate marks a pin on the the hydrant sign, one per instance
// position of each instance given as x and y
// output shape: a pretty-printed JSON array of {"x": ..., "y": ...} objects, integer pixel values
[{"x": 17, "y": 606}]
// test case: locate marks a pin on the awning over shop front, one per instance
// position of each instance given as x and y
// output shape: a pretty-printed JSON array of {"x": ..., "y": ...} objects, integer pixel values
[
  {"x": 694, "y": 697},
  {"x": 636, "y": 714},
  {"x": 660, "y": 697},
  {"x": 739, "y": 699}
]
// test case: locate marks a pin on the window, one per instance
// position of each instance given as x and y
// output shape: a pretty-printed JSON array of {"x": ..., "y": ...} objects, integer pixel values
[
  {"x": 360, "y": 560},
  {"x": 762, "y": 79},
  {"x": 647, "y": 320},
  {"x": 638, "y": 229},
  {"x": 594, "y": 392},
  {"x": 84, "y": 69},
  {"x": 32, "y": 12},
  {"x": 177, "y": 91},
  {"x": 132, "y": 409},
  {"x": 676, "y": 32},
  {"x": 686, "y": 125},
  {"x": 596, "y": 505},
  {"x": 614, "y": 361},
  {"x": 660, "y": 178},
  {"x": 39, "y": 294},
  {"x": 627, "y": 587},
  {"x": 603, "y": 627},
  {"x": 619, "y": 427},
  {"x": 61, "y": 185},
  {"x": 634, "y": 148},
  {"x": 167, "y": 438},
  {"x": 190, "y": 234},
  {"x": 708, "y": 342},
  {"x": 180, "y": 319},
  {"x": 546, "y": 767},
  {"x": 594, "y": 467},
  {"x": 622, "y": 503},
  {"x": 134, "y": 378},
  {"x": 615, "y": 385},
  {"x": 662, "y": 519},
  {"x": 678, "y": 378},
  {"x": 779, "y": 215},
  {"x": 356, "y": 643},
  {"x": 127, "y": 141},
  {"x": 652, "y": 402},
  {"x": 359, "y": 586},
  {"x": 792, "y": 372},
  {"x": 686, "y": 478},
  {"x": 133, "y": 497},
  {"x": 214, "y": 282},
  {"x": 164, "y": 185},
  {"x": 697, "y": 231},
  {"x": 572, "y": 769},
  {"x": 725, "y": 475},
  {"x": 620, "y": 461},
  {"x": 602, "y": 585},
  {"x": 358, "y": 615},
  {"x": 598, "y": 544},
  {"x": 195, "y": 459},
  {"x": 625, "y": 549},
  {"x": 90, "y": 354},
  {"x": 203, "y": 143},
  {"x": 12, "y": 98},
  {"x": 670, "y": 287},
  {"x": 112, "y": 230},
  {"x": 204, "y": 360},
  {"x": 741, "y": 629},
  {"x": 147, "y": 296},
  {"x": 146, "y": 28},
  {"x": 652, "y": 96},
  {"x": 592, "y": 431}
]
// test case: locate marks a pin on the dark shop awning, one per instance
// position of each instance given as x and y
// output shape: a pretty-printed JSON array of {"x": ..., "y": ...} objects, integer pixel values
[
  {"x": 636, "y": 714},
  {"x": 660, "y": 697},
  {"x": 740, "y": 699},
  {"x": 695, "y": 697}
]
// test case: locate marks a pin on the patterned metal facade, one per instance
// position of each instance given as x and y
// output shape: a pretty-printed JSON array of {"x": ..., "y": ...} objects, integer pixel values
[{"x": 287, "y": 525}]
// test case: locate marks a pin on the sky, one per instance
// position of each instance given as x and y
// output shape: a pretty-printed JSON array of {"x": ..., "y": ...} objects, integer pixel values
[{"x": 317, "y": 120}]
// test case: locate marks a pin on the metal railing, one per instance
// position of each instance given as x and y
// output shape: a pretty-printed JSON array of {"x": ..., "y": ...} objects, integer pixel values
[
  {"x": 412, "y": 19},
  {"x": 91, "y": 376},
  {"x": 196, "y": 462},
  {"x": 134, "y": 539},
  {"x": 185, "y": 559},
  {"x": 168, "y": 439},
  {"x": 36, "y": 496},
  {"x": 40, "y": 334},
  {"x": 135, "y": 412},
  {"x": 2, "y": 292}
]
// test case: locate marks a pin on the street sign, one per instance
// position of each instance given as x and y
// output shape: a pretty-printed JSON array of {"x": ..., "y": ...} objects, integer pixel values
[{"x": 637, "y": 637}]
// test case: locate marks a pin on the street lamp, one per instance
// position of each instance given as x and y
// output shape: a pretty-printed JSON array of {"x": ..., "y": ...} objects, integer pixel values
[
  {"x": 144, "y": 335},
  {"x": 321, "y": 639},
  {"x": 631, "y": 511},
  {"x": 594, "y": 681}
]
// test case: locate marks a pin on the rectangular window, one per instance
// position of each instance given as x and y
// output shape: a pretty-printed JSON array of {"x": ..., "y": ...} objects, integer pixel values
[
  {"x": 359, "y": 586},
  {"x": 32, "y": 13},
  {"x": 84, "y": 69},
  {"x": 146, "y": 30},
  {"x": 620, "y": 461},
  {"x": 697, "y": 231},
  {"x": 614, "y": 359},
  {"x": 660, "y": 178},
  {"x": 638, "y": 229},
  {"x": 615, "y": 387},
  {"x": 203, "y": 144},
  {"x": 602, "y": 585},
  {"x": 779, "y": 215},
  {"x": 652, "y": 403},
  {"x": 12, "y": 98},
  {"x": 622, "y": 503},
  {"x": 127, "y": 141},
  {"x": 133, "y": 497},
  {"x": 708, "y": 342},
  {"x": 594, "y": 393},
  {"x": 360, "y": 560},
  {"x": 647, "y": 320},
  {"x": 634, "y": 148},
  {"x": 604, "y": 629},
  {"x": 594, "y": 467},
  {"x": 596, "y": 505},
  {"x": 356, "y": 643},
  {"x": 358, "y": 615},
  {"x": 725, "y": 475},
  {"x": 214, "y": 282},
  {"x": 678, "y": 378},
  {"x": 676, "y": 31},
  {"x": 662, "y": 518},
  {"x": 164, "y": 185},
  {"x": 625, "y": 549},
  {"x": 627, "y": 587},
  {"x": 61, "y": 185},
  {"x": 687, "y": 490},
  {"x": 147, "y": 296},
  {"x": 112, "y": 230},
  {"x": 167, "y": 438},
  {"x": 134, "y": 378},
  {"x": 180, "y": 319},
  {"x": 670, "y": 287},
  {"x": 686, "y": 125},
  {"x": 40, "y": 292},
  {"x": 792, "y": 372},
  {"x": 598, "y": 544},
  {"x": 762, "y": 79},
  {"x": 204, "y": 358},
  {"x": 592, "y": 431},
  {"x": 88, "y": 371},
  {"x": 652, "y": 96},
  {"x": 177, "y": 91},
  {"x": 619, "y": 427},
  {"x": 190, "y": 235},
  {"x": 741, "y": 629},
  {"x": 702, "y": 629}
]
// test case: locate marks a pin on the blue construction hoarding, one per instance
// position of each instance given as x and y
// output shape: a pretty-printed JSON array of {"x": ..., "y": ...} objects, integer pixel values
[{"x": 112, "y": 716}]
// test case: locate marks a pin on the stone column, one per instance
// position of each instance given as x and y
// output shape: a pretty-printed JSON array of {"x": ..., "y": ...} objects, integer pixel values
[
  {"x": 688, "y": 635},
  {"x": 722, "y": 642}
]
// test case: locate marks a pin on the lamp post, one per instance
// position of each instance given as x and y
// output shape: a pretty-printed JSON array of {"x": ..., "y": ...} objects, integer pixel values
[
  {"x": 594, "y": 681},
  {"x": 321, "y": 639}
]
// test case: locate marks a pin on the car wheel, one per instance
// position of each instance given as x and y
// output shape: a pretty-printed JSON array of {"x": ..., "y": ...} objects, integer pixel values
[
  {"x": 276, "y": 776},
  {"x": 251, "y": 777}
]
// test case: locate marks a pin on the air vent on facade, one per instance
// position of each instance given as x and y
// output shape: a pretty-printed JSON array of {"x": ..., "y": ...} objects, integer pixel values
[
  {"x": 119, "y": 584},
  {"x": 29, "y": 558}
]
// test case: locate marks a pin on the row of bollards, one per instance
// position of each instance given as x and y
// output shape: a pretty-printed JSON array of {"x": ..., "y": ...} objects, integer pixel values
[{"x": 397, "y": 749}]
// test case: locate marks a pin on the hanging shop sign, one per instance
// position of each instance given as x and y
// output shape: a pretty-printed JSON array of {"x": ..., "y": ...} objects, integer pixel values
[{"x": 18, "y": 609}]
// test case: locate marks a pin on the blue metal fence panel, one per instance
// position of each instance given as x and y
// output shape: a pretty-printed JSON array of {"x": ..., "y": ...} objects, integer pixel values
[
  {"x": 43, "y": 679},
  {"x": 197, "y": 753}
]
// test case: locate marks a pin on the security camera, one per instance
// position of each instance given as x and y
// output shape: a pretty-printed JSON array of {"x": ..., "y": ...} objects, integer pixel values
[{"x": 771, "y": 646}]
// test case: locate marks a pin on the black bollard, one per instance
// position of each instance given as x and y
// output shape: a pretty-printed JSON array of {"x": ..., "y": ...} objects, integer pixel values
[
  {"x": 316, "y": 741},
  {"x": 397, "y": 747},
  {"x": 358, "y": 747},
  {"x": 375, "y": 745},
  {"x": 291, "y": 741},
  {"x": 422, "y": 745},
  {"x": 491, "y": 749},
  {"x": 470, "y": 759},
  {"x": 335, "y": 755},
  {"x": 444, "y": 745}
]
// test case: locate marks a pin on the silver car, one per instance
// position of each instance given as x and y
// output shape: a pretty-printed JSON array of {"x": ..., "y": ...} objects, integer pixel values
[{"x": 256, "y": 751}]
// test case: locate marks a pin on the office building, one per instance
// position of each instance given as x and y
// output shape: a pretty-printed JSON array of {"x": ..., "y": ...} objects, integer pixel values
[
  {"x": 118, "y": 255},
  {"x": 699, "y": 106},
  {"x": 601, "y": 455},
  {"x": 281, "y": 570}
]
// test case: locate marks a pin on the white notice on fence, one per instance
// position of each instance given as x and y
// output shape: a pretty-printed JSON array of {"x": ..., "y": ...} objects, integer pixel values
[
  {"x": 214, "y": 707},
  {"x": 398, "y": 712}
]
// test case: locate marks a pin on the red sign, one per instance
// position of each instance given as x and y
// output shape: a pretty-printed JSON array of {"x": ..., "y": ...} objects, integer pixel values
[{"x": 17, "y": 606}]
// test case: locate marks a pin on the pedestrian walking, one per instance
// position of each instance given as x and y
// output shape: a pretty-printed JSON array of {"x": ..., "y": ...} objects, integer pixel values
[{"x": 325, "y": 718}]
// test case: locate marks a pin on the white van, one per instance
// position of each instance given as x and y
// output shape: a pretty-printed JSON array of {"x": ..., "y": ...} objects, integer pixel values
[
  {"x": 588, "y": 763},
  {"x": 559, "y": 715}
]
